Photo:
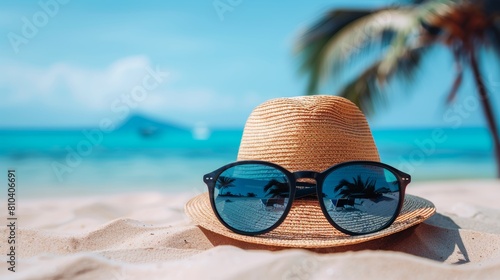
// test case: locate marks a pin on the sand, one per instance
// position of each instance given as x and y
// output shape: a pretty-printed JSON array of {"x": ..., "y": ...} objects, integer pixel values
[{"x": 148, "y": 236}]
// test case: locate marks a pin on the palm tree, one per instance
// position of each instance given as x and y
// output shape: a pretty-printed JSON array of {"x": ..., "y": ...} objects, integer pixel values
[
  {"x": 223, "y": 183},
  {"x": 357, "y": 187},
  {"x": 402, "y": 35},
  {"x": 275, "y": 188}
]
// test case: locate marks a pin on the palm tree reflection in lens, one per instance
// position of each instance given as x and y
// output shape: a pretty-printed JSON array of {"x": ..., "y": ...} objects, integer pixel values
[
  {"x": 223, "y": 183},
  {"x": 278, "y": 192},
  {"x": 257, "y": 200}
]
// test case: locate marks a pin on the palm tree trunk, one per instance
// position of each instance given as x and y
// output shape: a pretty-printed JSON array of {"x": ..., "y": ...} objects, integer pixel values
[{"x": 487, "y": 109}]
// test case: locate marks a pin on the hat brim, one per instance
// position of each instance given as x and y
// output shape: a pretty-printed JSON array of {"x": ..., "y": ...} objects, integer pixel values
[{"x": 306, "y": 227}]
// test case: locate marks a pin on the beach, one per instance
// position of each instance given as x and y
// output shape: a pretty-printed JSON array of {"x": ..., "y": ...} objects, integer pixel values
[
  {"x": 113, "y": 129},
  {"x": 147, "y": 235}
]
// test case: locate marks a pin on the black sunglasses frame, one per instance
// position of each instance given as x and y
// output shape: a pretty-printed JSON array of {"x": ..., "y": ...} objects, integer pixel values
[{"x": 210, "y": 180}]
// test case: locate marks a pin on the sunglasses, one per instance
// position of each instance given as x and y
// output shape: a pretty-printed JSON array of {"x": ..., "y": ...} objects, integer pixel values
[{"x": 356, "y": 197}]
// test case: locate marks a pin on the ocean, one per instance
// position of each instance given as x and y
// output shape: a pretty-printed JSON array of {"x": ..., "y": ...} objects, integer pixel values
[{"x": 88, "y": 161}]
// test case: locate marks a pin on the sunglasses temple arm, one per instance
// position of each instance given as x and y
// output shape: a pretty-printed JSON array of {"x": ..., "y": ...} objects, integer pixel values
[{"x": 406, "y": 179}]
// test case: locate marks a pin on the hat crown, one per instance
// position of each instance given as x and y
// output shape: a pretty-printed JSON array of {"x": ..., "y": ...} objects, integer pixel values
[{"x": 307, "y": 133}]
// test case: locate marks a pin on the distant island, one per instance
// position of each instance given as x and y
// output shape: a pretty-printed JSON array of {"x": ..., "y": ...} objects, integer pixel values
[{"x": 148, "y": 127}]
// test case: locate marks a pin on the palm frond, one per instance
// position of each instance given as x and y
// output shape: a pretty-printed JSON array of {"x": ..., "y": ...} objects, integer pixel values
[
  {"x": 225, "y": 181},
  {"x": 330, "y": 24},
  {"x": 456, "y": 85},
  {"x": 367, "y": 88},
  {"x": 343, "y": 183},
  {"x": 363, "y": 89},
  {"x": 356, "y": 187},
  {"x": 491, "y": 7},
  {"x": 493, "y": 35}
]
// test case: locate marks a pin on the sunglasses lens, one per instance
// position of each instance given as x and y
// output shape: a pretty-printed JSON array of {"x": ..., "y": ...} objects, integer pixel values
[
  {"x": 251, "y": 198},
  {"x": 361, "y": 198}
]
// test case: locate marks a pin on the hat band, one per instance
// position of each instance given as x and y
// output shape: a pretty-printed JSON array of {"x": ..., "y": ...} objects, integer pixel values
[{"x": 356, "y": 197}]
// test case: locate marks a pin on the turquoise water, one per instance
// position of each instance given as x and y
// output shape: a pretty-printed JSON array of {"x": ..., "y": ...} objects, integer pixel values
[{"x": 86, "y": 161}]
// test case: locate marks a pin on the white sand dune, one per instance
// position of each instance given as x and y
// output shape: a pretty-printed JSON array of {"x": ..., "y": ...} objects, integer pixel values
[{"x": 148, "y": 236}]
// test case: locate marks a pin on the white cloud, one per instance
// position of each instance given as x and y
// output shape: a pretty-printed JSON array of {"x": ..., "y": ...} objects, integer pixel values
[
  {"x": 186, "y": 100},
  {"x": 194, "y": 105},
  {"x": 62, "y": 82}
]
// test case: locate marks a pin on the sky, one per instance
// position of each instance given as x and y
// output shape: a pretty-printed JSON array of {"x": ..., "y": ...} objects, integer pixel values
[{"x": 72, "y": 63}]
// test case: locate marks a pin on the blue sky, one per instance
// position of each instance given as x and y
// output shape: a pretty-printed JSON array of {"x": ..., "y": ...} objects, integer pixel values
[{"x": 78, "y": 65}]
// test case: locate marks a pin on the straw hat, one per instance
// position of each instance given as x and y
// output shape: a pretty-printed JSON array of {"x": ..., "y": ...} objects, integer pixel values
[{"x": 308, "y": 133}]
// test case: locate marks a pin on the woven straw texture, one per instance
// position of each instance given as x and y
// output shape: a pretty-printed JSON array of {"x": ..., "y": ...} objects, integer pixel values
[
  {"x": 308, "y": 133},
  {"x": 306, "y": 226}
]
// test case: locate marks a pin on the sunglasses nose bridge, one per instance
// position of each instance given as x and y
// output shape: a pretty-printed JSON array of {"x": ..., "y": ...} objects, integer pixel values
[{"x": 305, "y": 175}]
